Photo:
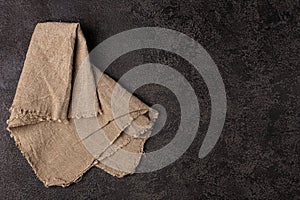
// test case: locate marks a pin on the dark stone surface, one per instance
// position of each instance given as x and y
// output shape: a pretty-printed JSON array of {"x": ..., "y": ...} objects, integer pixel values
[{"x": 256, "y": 46}]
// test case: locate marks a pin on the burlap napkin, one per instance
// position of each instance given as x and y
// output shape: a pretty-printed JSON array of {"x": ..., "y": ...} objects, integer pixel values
[{"x": 62, "y": 116}]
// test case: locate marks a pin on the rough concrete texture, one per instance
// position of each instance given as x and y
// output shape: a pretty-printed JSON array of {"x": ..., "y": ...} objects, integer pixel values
[{"x": 256, "y": 46}]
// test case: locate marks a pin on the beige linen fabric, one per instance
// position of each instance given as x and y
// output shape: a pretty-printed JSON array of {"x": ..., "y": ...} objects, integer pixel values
[{"x": 61, "y": 116}]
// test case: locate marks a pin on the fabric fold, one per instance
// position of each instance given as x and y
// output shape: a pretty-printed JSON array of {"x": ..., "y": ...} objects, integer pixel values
[{"x": 62, "y": 116}]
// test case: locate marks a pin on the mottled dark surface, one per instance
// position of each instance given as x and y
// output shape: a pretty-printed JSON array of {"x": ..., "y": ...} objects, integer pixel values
[{"x": 256, "y": 46}]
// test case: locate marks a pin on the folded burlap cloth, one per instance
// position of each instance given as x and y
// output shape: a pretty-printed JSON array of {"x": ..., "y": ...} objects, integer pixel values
[{"x": 62, "y": 116}]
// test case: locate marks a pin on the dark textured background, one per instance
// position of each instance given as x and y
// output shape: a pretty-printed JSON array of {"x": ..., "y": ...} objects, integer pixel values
[{"x": 256, "y": 46}]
